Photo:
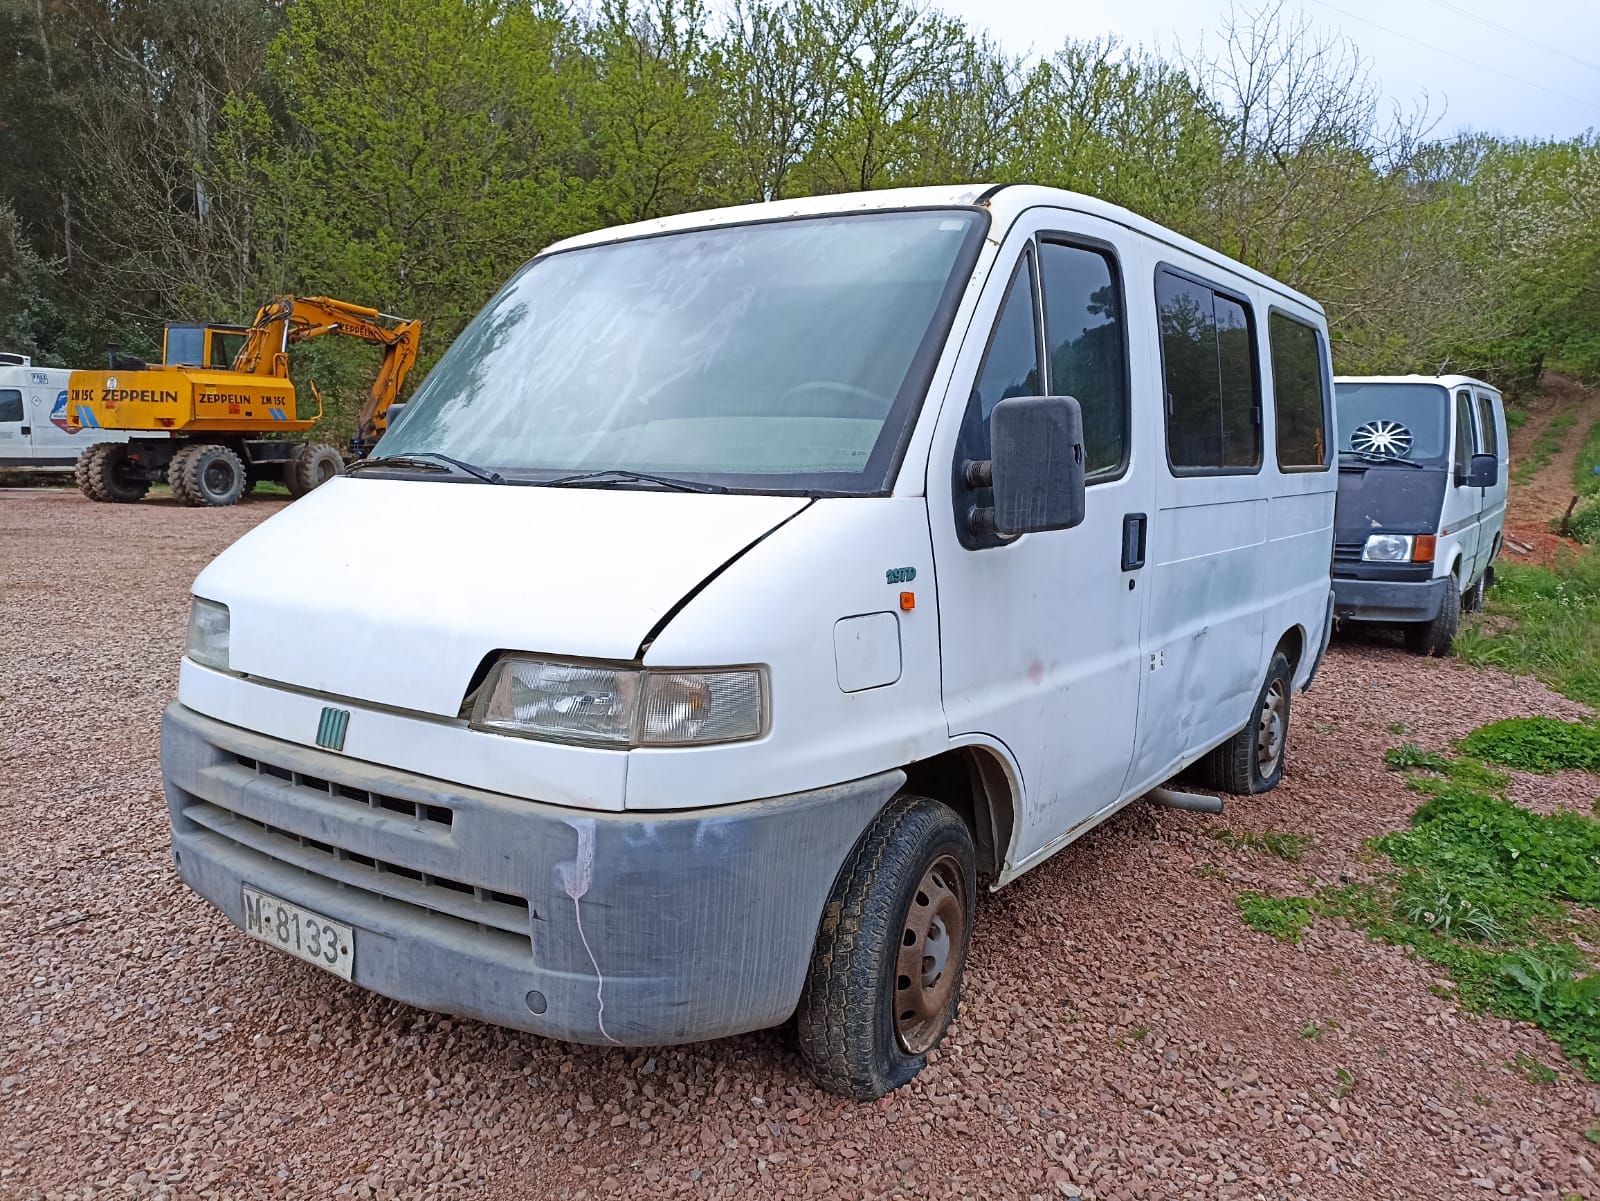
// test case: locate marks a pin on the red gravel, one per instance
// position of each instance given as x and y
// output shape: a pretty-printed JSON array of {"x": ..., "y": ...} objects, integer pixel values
[{"x": 1123, "y": 1035}]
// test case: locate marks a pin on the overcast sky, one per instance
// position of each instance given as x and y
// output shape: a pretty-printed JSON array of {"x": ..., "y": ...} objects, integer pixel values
[{"x": 1530, "y": 68}]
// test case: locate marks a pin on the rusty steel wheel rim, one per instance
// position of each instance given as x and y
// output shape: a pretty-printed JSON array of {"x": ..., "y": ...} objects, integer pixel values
[
  {"x": 933, "y": 943},
  {"x": 1274, "y": 725}
]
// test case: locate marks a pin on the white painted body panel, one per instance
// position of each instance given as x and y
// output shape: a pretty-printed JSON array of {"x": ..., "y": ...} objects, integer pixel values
[{"x": 388, "y": 595}]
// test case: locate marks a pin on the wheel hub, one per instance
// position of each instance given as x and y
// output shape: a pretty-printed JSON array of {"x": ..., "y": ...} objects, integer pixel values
[
  {"x": 1270, "y": 730},
  {"x": 933, "y": 941}
]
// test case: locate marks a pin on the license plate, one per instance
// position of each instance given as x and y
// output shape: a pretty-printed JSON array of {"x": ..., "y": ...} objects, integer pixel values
[{"x": 329, "y": 944}]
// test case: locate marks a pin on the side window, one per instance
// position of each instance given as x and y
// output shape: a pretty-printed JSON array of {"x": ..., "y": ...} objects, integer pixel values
[
  {"x": 10, "y": 404},
  {"x": 1085, "y": 343},
  {"x": 1489, "y": 436},
  {"x": 1010, "y": 365},
  {"x": 1208, "y": 356},
  {"x": 1463, "y": 432},
  {"x": 1299, "y": 394}
]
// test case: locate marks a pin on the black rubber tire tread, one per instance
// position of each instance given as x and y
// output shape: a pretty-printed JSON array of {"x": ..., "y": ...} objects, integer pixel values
[
  {"x": 95, "y": 473},
  {"x": 300, "y": 473},
  {"x": 178, "y": 475},
  {"x": 1472, "y": 598},
  {"x": 1434, "y": 638},
  {"x": 1232, "y": 767},
  {"x": 844, "y": 1024},
  {"x": 186, "y": 475}
]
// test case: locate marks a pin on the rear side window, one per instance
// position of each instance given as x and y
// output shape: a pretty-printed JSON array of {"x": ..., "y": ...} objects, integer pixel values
[
  {"x": 1208, "y": 355},
  {"x": 10, "y": 404},
  {"x": 1085, "y": 338},
  {"x": 1488, "y": 433},
  {"x": 1299, "y": 394}
]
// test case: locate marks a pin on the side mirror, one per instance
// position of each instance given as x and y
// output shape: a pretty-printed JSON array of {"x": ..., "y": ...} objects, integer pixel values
[
  {"x": 1037, "y": 471},
  {"x": 1484, "y": 473}
]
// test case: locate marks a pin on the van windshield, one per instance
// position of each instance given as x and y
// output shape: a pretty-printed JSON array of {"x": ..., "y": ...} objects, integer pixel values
[
  {"x": 781, "y": 356},
  {"x": 1403, "y": 421}
]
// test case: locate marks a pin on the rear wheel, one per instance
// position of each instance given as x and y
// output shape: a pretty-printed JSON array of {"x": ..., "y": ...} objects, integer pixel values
[
  {"x": 1252, "y": 760},
  {"x": 104, "y": 473},
  {"x": 885, "y": 976},
  {"x": 1435, "y": 637},
  {"x": 207, "y": 475},
  {"x": 1472, "y": 598},
  {"x": 313, "y": 464}
]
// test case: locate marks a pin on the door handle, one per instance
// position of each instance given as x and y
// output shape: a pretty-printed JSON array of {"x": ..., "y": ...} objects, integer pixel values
[
  {"x": 24, "y": 431},
  {"x": 1134, "y": 528}
]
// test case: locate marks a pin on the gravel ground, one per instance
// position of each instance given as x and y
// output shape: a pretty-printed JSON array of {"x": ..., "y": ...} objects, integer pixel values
[{"x": 1123, "y": 1035}]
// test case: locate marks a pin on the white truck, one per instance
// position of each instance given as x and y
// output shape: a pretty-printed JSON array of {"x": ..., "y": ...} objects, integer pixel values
[
  {"x": 741, "y": 589},
  {"x": 1423, "y": 474},
  {"x": 33, "y": 417}
]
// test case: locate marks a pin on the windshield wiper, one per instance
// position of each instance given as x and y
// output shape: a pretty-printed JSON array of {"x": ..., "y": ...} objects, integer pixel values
[
  {"x": 430, "y": 460},
  {"x": 1372, "y": 457},
  {"x": 616, "y": 475}
]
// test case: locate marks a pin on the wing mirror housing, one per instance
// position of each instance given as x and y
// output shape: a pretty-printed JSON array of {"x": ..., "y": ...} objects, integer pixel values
[
  {"x": 1037, "y": 471},
  {"x": 1484, "y": 473}
]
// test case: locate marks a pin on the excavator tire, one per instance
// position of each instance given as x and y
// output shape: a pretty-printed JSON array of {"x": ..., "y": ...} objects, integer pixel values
[
  {"x": 206, "y": 475},
  {"x": 314, "y": 464},
  {"x": 102, "y": 475}
]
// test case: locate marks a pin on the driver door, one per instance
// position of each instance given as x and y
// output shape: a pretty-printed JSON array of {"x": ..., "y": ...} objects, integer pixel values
[{"x": 1040, "y": 634}]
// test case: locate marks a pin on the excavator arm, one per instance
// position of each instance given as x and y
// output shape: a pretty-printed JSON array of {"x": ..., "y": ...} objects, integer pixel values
[{"x": 286, "y": 320}]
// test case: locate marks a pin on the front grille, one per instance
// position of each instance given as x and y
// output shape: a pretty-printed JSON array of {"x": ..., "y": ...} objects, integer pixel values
[
  {"x": 1347, "y": 552},
  {"x": 361, "y": 796},
  {"x": 259, "y": 821}
]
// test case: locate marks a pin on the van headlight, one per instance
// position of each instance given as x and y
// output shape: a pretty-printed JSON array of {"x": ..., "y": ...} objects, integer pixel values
[
  {"x": 620, "y": 707},
  {"x": 1399, "y": 548},
  {"x": 208, "y": 634}
]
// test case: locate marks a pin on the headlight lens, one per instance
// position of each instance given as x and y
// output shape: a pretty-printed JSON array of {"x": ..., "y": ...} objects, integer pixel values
[
  {"x": 620, "y": 707},
  {"x": 208, "y": 634},
  {"x": 1387, "y": 548}
]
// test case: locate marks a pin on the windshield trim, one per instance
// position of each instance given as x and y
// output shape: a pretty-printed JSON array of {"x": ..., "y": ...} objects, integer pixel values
[{"x": 882, "y": 470}]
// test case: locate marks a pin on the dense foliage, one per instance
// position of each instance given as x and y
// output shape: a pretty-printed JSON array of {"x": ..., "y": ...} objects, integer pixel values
[{"x": 187, "y": 158}]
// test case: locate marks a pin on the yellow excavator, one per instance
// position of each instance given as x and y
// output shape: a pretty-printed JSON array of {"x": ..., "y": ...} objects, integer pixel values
[{"x": 198, "y": 418}]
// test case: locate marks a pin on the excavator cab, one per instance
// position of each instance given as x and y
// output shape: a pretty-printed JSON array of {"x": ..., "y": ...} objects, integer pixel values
[{"x": 215, "y": 347}]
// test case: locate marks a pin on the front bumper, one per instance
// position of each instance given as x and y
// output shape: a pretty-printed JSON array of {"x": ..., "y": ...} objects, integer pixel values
[
  {"x": 1387, "y": 600},
  {"x": 636, "y": 929}
]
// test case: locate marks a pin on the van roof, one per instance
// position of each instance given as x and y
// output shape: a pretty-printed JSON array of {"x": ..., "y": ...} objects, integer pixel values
[
  {"x": 1004, "y": 201},
  {"x": 1444, "y": 381}
]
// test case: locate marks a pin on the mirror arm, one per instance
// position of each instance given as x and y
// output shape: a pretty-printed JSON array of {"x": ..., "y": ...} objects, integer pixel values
[
  {"x": 981, "y": 521},
  {"x": 978, "y": 473}
]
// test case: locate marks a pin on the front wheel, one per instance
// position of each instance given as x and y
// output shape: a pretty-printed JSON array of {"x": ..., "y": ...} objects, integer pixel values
[
  {"x": 885, "y": 976},
  {"x": 1435, "y": 637},
  {"x": 1252, "y": 760},
  {"x": 105, "y": 474}
]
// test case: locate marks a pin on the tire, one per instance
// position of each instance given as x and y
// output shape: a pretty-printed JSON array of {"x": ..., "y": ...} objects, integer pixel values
[
  {"x": 1435, "y": 637},
  {"x": 865, "y": 1025},
  {"x": 206, "y": 475},
  {"x": 103, "y": 474},
  {"x": 1472, "y": 598},
  {"x": 1252, "y": 760},
  {"x": 313, "y": 464}
]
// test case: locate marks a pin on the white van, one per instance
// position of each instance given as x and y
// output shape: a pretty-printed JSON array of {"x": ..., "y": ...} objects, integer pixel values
[
  {"x": 33, "y": 417},
  {"x": 740, "y": 589},
  {"x": 1422, "y": 501}
]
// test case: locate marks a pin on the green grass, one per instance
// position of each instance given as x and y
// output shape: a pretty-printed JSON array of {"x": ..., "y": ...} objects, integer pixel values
[
  {"x": 1533, "y": 1070},
  {"x": 1538, "y": 744},
  {"x": 1285, "y": 918},
  {"x": 1554, "y": 630},
  {"x": 1485, "y": 889},
  {"x": 1516, "y": 417},
  {"x": 1545, "y": 447},
  {"x": 1288, "y": 847}
]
